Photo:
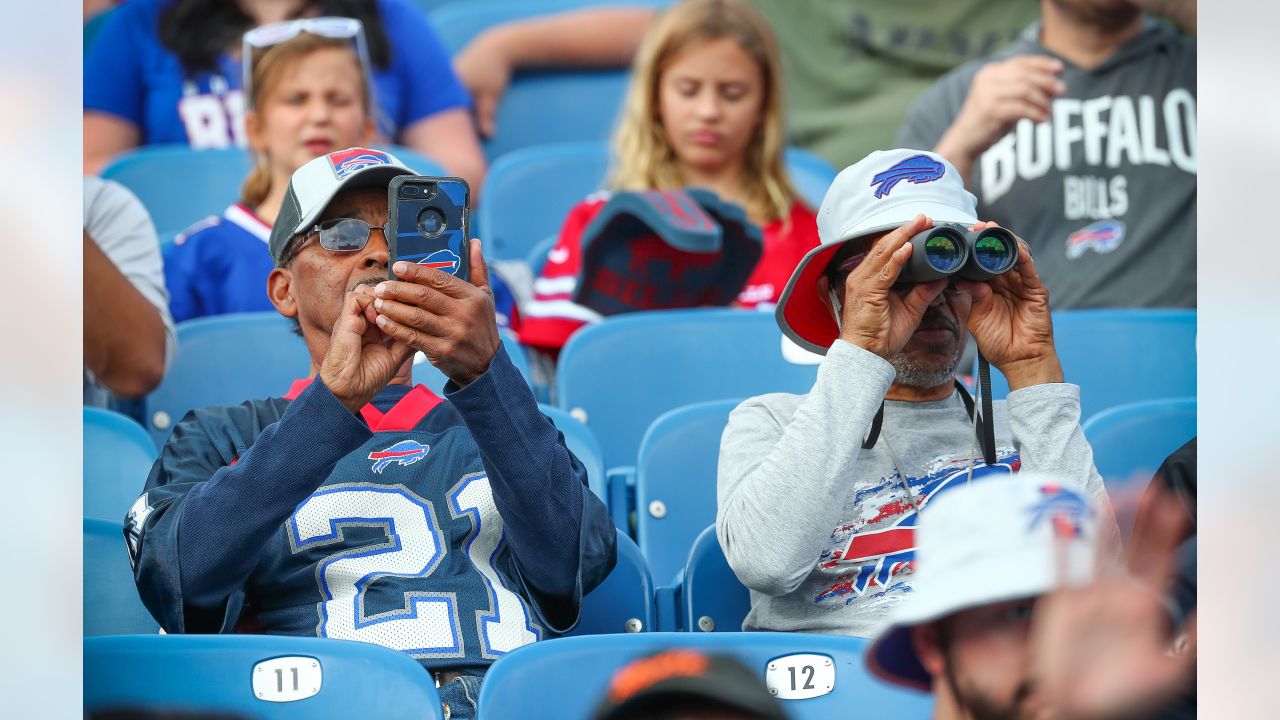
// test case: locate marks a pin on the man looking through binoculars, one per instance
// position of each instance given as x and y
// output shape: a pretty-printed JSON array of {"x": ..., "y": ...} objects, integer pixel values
[{"x": 819, "y": 493}]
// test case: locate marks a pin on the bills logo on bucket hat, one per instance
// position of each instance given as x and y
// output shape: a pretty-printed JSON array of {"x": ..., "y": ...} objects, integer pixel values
[
  {"x": 315, "y": 184},
  {"x": 883, "y": 191},
  {"x": 1023, "y": 535}
]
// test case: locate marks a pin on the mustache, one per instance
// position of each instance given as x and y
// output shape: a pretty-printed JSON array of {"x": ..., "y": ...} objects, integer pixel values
[
  {"x": 370, "y": 281},
  {"x": 935, "y": 319}
]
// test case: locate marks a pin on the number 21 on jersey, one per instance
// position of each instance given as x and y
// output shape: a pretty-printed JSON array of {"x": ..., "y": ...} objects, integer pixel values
[{"x": 429, "y": 623}]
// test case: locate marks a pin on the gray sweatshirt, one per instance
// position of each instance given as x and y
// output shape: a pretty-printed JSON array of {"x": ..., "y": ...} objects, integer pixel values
[{"x": 822, "y": 531}]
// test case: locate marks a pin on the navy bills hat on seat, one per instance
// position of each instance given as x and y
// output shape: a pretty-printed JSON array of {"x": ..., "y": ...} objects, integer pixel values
[
  {"x": 315, "y": 184},
  {"x": 883, "y": 191}
]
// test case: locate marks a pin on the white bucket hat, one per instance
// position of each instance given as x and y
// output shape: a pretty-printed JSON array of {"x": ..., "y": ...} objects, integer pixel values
[
  {"x": 1000, "y": 539},
  {"x": 883, "y": 191}
]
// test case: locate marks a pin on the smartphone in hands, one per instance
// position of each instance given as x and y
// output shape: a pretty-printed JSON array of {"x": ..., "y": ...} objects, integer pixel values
[{"x": 430, "y": 222}]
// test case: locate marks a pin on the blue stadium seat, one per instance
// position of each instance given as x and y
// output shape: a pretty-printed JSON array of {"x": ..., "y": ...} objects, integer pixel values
[
  {"x": 676, "y": 483},
  {"x": 227, "y": 359},
  {"x": 619, "y": 375},
  {"x": 583, "y": 444},
  {"x": 713, "y": 598},
  {"x": 810, "y": 174},
  {"x": 623, "y": 603},
  {"x": 1122, "y": 356},
  {"x": 118, "y": 454},
  {"x": 529, "y": 191},
  {"x": 571, "y": 675},
  {"x": 111, "y": 602},
  {"x": 1131, "y": 441},
  {"x": 179, "y": 185},
  {"x": 256, "y": 676}
]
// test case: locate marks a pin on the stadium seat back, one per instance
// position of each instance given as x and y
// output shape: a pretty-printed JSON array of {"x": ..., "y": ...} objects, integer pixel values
[
  {"x": 111, "y": 602},
  {"x": 118, "y": 454},
  {"x": 1122, "y": 356},
  {"x": 256, "y": 676},
  {"x": 714, "y": 599},
  {"x": 619, "y": 375},
  {"x": 529, "y": 191},
  {"x": 676, "y": 483},
  {"x": 810, "y": 174},
  {"x": 583, "y": 444},
  {"x": 571, "y": 675},
  {"x": 227, "y": 359},
  {"x": 179, "y": 185},
  {"x": 623, "y": 603},
  {"x": 1131, "y": 441}
]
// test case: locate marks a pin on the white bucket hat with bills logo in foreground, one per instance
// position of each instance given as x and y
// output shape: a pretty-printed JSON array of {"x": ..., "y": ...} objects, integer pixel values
[
  {"x": 995, "y": 540},
  {"x": 315, "y": 184},
  {"x": 883, "y": 191}
]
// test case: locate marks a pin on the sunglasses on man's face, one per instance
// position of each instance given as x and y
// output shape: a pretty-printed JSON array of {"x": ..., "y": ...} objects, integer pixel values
[{"x": 340, "y": 235}]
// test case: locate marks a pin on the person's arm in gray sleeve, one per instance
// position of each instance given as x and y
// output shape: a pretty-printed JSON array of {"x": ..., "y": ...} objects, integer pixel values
[
  {"x": 782, "y": 481},
  {"x": 128, "y": 334}
]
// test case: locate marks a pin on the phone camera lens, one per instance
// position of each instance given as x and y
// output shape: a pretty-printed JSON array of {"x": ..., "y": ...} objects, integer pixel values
[
  {"x": 409, "y": 191},
  {"x": 431, "y": 222}
]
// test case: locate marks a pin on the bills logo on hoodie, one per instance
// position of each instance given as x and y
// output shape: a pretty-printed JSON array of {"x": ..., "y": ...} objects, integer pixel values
[{"x": 1101, "y": 237}]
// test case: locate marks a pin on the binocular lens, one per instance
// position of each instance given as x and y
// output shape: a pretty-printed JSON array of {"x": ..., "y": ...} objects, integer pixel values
[
  {"x": 944, "y": 252},
  {"x": 995, "y": 252}
]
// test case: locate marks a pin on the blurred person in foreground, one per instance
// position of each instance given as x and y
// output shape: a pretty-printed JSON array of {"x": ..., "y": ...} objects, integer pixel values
[
  {"x": 704, "y": 109},
  {"x": 1067, "y": 635},
  {"x": 851, "y": 67},
  {"x": 687, "y": 684},
  {"x": 128, "y": 333},
  {"x": 1082, "y": 134},
  {"x": 358, "y": 506},
  {"x": 819, "y": 494}
]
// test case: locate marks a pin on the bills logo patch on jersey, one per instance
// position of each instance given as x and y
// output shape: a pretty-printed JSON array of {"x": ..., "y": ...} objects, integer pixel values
[
  {"x": 915, "y": 169},
  {"x": 347, "y": 162},
  {"x": 1065, "y": 510},
  {"x": 1101, "y": 237},
  {"x": 442, "y": 259},
  {"x": 405, "y": 452}
]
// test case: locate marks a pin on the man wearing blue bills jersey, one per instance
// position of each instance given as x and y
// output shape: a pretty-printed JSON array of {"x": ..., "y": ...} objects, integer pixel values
[{"x": 361, "y": 507}]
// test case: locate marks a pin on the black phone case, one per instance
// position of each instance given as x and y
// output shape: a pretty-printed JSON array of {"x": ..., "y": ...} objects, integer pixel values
[{"x": 430, "y": 222}]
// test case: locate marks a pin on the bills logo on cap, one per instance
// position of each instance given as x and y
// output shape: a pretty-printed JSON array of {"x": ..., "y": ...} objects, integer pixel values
[
  {"x": 1102, "y": 236},
  {"x": 405, "y": 452},
  {"x": 915, "y": 169},
  {"x": 346, "y": 162},
  {"x": 442, "y": 259},
  {"x": 1065, "y": 509}
]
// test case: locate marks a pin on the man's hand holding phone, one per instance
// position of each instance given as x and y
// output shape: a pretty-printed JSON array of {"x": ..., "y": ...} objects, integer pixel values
[{"x": 449, "y": 319}]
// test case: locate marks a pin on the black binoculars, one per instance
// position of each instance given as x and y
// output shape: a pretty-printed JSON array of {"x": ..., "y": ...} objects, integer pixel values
[{"x": 948, "y": 249}]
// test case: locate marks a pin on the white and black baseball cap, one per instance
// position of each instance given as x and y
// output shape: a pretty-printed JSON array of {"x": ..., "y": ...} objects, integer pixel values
[
  {"x": 883, "y": 191},
  {"x": 993, "y": 540},
  {"x": 314, "y": 185}
]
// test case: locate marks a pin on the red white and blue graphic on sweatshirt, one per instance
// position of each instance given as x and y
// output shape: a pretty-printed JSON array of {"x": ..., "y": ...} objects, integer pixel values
[{"x": 873, "y": 553}]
